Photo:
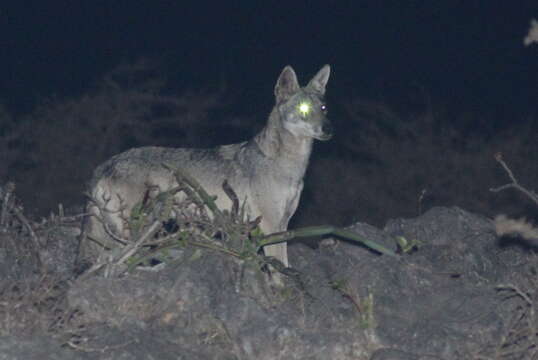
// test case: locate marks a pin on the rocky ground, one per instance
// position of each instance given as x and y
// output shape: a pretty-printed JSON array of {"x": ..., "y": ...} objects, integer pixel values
[{"x": 456, "y": 291}]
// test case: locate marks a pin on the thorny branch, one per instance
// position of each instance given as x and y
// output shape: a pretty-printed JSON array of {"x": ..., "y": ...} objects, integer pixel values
[
  {"x": 229, "y": 232},
  {"x": 102, "y": 219},
  {"x": 9, "y": 208},
  {"x": 521, "y": 337},
  {"x": 514, "y": 184},
  {"x": 151, "y": 238},
  {"x": 507, "y": 226},
  {"x": 27, "y": 238}
]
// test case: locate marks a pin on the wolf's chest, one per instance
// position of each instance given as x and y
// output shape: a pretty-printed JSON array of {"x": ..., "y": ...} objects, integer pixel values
[{"x": 284, "y": 192}]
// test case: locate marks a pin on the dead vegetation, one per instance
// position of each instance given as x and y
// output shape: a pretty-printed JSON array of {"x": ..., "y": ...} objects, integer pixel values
[
  {"x": 39, "y": 278},
  {"x": 511, "y": 227},
  {"x": 159, "y": 225},
  {"x": 520, "y": 340},
  {"x": 36, "y": 262}
]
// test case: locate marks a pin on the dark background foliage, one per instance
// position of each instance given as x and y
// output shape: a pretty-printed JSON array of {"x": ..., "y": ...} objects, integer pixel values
[{"x": 422, "y": 95}]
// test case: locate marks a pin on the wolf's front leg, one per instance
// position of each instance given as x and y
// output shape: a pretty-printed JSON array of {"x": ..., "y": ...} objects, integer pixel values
[{"x": 278, "y": 251}]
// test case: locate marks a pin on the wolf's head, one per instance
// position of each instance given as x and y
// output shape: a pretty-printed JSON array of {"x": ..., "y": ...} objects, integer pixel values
[{"x": 302, "y": 110}]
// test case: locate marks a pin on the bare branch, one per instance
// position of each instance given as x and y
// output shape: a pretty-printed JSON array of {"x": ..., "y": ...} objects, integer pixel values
[
  {"x": 514, "y": 184},
  {"x": 26, "y": 223},
  {"x": 233, "y": 196}
]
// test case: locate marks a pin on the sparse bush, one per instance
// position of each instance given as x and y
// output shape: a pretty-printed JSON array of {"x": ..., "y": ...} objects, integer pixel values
[
  {"x": 389, "y": 165},
  {"x": 51, "y": 152},
  {"x": 36, "y": 260}
]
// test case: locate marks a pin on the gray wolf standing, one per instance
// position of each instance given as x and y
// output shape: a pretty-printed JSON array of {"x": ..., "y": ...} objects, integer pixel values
[{"x": 266, "y": 172}]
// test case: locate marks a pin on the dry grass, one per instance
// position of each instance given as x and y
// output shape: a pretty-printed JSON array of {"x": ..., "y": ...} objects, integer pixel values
[{"x": 32, "y": 296}]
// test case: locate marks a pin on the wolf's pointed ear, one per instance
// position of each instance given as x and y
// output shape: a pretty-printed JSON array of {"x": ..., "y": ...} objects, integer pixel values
[
  {"x": 319, "y": 81},
  {"x": 286, "y": 85}
]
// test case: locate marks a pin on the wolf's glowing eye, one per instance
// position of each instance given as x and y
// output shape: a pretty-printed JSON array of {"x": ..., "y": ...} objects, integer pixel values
[{"x": 304, "y": 108}]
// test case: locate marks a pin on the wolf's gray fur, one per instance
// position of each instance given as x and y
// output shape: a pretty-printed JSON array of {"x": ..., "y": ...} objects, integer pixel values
[{"x": 266, "y": 172}]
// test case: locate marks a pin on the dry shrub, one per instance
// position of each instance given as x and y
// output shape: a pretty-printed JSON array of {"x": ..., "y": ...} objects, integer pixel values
[
  {"x": 32, "y": 293},
  {"x": 51, "y": 152},
  {"x": 32, "y": 305}
]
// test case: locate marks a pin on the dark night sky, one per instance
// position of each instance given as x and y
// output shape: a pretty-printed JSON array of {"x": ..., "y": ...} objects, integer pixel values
[{"x": 467, "y": 52}]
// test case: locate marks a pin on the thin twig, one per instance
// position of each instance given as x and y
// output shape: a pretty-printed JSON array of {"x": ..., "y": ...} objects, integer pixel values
[
  {"x": 233, "y": 197},
  {"x": 514, "y": 184},
  {"x": 105, "y": 224},
  {"x": 26, "y": 223},
  {"x": 133, "y": 247}
]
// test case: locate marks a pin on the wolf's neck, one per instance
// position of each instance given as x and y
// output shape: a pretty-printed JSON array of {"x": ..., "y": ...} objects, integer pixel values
[{"x": 280, "y": 145}]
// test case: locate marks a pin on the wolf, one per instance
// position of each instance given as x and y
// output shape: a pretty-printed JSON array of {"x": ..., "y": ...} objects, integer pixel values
[{"x": 266, "y": 172}]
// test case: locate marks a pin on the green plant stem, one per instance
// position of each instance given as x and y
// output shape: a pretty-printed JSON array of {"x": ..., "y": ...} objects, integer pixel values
[{"x": 323, "y": 230}]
